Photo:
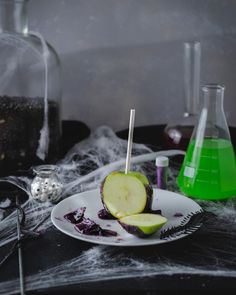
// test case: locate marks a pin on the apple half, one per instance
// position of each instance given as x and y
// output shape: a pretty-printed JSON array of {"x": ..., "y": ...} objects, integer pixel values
[
  {"x": 142, "y": 225},
  {"x": 125, "y": 194}
]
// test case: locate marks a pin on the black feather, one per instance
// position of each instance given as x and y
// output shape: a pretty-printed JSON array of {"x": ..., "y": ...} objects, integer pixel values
[{"x": 189, "y": 224}]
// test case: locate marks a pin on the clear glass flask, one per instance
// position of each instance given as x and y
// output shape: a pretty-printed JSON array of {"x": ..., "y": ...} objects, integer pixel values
[
  {"x": 209, "y": 169},
  {"x": 178, "y": 133},
  {"x": 30, "y": 93}
]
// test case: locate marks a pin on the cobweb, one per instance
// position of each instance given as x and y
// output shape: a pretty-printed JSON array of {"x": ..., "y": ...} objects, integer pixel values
[
  {"x": 102, "y": 263},
  {"x": 83, "y": 168}
]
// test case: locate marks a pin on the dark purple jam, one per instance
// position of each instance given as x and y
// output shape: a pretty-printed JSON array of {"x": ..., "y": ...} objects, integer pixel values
[
  {"x": 120, "y": 240},
  {"x": 89, "y": 227},
  {"x": 104, "y": 214},
  {"x": 75, "y": 216},
  {"x": 158, "y": 211},
  {"x": 108, "y": 233},
  {"x": 178, "y": 214}
]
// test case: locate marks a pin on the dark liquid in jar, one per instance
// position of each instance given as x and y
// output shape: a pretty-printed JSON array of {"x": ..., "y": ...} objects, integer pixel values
[{"x": 21, "y": 119}]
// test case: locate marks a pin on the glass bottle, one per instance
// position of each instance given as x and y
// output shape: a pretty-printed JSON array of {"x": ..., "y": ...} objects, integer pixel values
[
  {"x": 177, "y": 134},
  {"x": 209, "y": 170},
  {"x": 30, "y": 93}
]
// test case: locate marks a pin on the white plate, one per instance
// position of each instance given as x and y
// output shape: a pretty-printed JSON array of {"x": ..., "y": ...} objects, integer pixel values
[{"x": 170, "y": 203}]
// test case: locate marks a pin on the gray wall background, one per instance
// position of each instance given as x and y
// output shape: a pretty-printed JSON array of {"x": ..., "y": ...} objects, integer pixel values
[{"x": 122, "y": 54}]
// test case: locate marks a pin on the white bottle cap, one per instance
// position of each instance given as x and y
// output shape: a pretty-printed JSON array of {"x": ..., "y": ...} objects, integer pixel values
[{"x": 162, "y": 161}]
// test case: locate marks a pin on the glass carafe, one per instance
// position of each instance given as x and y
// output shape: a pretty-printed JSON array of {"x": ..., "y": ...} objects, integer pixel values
[
  {"x": 178, "y": 133},
  {"x": 209, "y": 170},
  {"x": 30, "y": 93}
]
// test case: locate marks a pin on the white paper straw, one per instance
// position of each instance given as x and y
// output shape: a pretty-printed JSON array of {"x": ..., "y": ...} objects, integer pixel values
[{"x": 130, "y": 140}]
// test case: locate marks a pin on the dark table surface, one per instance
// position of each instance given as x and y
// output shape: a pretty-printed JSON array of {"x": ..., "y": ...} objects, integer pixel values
[{"x": 204, "y": 262}]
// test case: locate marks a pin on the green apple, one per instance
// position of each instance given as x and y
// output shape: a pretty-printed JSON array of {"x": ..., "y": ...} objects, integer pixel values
[{"x": 125, "y": 194}]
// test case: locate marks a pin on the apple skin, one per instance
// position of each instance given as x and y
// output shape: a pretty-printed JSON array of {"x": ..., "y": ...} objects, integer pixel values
[
  {"x": 134, "y": 230},
  {"x": 143, "y": 179},
  {"x": 148, "y": 207},
  {"x": 142, "y": 231}
]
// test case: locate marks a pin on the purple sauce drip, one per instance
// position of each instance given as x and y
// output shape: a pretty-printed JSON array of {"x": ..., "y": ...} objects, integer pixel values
[
  {"x": 89, "y": 227},
  {"x": 108, "y": 233},
  {"x": 178, "y": 214},
  {"x": 76, "y": 216},
  {"x": 158, "y": 211},
  {"x": 104, "y": 214}
]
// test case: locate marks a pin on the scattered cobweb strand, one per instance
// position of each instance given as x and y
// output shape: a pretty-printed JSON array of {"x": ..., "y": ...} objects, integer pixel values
[
  {"x": 43, "y": 146},
  {"x": 101, "y": 263},
  {"x": 83, "y": 168}
]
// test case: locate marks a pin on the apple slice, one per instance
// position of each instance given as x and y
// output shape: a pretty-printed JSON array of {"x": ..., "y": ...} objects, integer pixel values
[
  {"x": 142, "y": 225},
  {"x": 123, "y": 194},
  {"x": 148, "y": 187},
  {"x": 140, "y": 176}
]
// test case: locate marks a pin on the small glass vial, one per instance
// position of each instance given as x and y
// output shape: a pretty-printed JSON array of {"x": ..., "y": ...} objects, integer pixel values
[
  {"x": 162, "y": 164},
  {"x": 46, "y": 186}
]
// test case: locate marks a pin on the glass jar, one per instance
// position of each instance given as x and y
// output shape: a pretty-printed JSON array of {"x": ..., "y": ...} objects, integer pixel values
[
  {"x": 46, "y": 185},
  {"x": 30, "y": 93}
]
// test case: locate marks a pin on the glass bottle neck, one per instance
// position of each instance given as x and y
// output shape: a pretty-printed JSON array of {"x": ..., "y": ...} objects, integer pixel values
[
  {"x": 13, "y": 16},
  {"x": 192, "y": 58},
  {"x": 45, "y": 171},
  {"x": 213, "y": 96},
  {"x": 212, "y": 122}
]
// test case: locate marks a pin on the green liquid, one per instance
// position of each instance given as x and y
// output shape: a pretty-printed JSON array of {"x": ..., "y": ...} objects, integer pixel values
[{"x": 209, "y": 172}]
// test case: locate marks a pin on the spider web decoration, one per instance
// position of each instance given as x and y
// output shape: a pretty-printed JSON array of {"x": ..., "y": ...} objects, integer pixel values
[{"x": 83, "y": 168}]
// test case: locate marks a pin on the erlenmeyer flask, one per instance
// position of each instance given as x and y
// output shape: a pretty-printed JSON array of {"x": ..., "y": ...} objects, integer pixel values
[
  {"x": 209, "y": 171},
  {"x": 177, "y": 134}
]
